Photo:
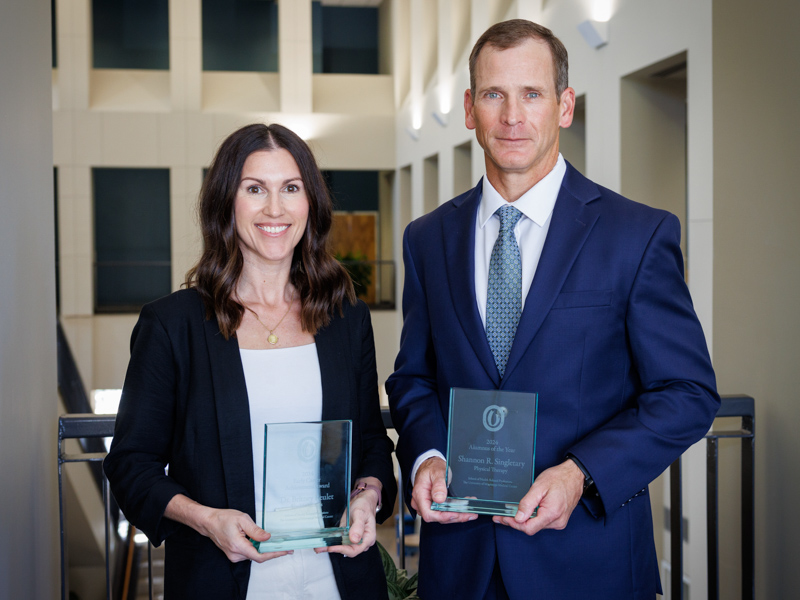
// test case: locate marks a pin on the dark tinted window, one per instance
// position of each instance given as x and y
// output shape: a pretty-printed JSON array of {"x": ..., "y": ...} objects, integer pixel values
[
  {"x": 345, "y": 39},
  {"x": 353, "y": 190},
  {"x": 131, "y": 237},
  {"x": 240, "y": 35},
  {"x": 130, "y": 34}
]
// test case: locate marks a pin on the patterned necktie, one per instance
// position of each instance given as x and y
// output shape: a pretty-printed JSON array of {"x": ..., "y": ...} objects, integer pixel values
[{"x": 504, "y": 298}]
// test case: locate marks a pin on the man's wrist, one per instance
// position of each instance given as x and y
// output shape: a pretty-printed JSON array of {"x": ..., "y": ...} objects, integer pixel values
[
  {"x": 421, "y": 459},
  {"x": 588, "y": 481}
]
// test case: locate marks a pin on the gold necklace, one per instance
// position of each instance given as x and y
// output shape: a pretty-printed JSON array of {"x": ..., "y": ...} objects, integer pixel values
[{"x": 272, "y": 338}]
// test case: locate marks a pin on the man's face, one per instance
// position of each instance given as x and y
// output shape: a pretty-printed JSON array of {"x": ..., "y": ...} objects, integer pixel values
[{"x": 516, "y": 114}]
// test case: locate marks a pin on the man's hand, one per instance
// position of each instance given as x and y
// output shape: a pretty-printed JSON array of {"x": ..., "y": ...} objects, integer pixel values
[
  {"x": 556, "y": 493},
  {"x": 430, "y": 484}
]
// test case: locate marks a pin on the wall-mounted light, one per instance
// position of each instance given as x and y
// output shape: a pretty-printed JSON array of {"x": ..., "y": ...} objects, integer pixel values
[
  {"x": 412, "y": 133},
  {"x": 441, "y": 118},
  {"x": 602, "y": 10},
  {"x": 595, "y": 33}
]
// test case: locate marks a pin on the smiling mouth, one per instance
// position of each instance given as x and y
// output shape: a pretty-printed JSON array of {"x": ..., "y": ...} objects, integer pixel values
[{"x": 276, "y": 229}]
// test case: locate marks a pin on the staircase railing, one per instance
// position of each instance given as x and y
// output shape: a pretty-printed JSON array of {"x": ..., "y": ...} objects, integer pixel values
[{"x": 742, "y": 407}]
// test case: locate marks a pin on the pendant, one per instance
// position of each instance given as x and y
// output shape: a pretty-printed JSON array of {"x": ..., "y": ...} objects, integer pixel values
[{"x": 272, "y": 339}]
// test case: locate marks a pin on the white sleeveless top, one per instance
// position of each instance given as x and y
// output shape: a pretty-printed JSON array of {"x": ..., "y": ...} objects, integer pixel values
[{"x": 285, "y": 385}]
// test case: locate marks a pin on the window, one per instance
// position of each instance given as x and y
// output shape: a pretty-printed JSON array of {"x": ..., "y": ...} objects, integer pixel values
[
  {"x": 240, "y": 35},
  {"x": 345, "y": 39},
  {"x": 353, "y": 190},
  {"x": 361, "y": 232},
  {"x": 131, "y": 237},
  {"x": 130, "y": 34}
]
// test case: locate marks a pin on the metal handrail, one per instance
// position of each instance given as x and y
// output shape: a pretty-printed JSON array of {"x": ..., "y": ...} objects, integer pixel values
[
  {"x": 83, "y": 426},
  {"x": 88, "y": 426},
  {"x": 738, "y": 406},
  {"x": 401, "y": 507}
]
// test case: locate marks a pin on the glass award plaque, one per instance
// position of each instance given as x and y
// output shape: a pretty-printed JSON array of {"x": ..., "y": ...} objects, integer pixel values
[
  {"x": 491, "y": 442},
  {"x": 306, "y": 491}
]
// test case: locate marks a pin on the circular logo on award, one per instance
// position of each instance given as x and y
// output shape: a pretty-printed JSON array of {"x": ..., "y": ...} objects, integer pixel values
[
  {"x": 307, "y": 449},
  {"x": 494, "y": 417}
]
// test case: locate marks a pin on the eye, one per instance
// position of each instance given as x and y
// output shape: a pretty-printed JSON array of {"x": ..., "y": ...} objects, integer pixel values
[
  {"x": 532, "y": 95},
  {"x": 254, "y": 189},
  {"x": 292, "y": 188},
  {"x": 492, "y": 95}
]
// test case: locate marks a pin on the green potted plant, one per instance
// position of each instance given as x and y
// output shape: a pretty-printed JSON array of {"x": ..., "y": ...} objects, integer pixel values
[
  {"x": 359, "y": 269},
  {"x": 401, "y": 586}
]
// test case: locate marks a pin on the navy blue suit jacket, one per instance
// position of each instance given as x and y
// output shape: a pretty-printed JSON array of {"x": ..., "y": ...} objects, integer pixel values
[
  {"x": 185, "y": 404},
  {"x": 609, "y": 340}
]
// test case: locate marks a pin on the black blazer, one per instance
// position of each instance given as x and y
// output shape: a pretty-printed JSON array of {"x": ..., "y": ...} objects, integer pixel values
[{"x": 184, "y": 404}]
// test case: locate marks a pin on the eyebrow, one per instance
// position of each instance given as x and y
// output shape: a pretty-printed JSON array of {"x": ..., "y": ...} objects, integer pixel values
[
  {"x": 526, "y": 88},
  {"x": 262, "y": 182}
]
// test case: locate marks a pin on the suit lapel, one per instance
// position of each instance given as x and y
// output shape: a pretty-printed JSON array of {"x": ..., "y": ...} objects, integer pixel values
[
  {"x": 458, "y": 233},
  {"x": 233, "y": 418},
  {"x": 573, "y": 219}
]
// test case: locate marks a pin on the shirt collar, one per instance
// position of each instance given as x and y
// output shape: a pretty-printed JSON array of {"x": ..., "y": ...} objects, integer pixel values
[{"x": 536, "y": 204}]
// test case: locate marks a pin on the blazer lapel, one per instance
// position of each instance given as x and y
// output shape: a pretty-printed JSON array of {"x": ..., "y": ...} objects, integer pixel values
[
  {"x": 573, "y": 219},
  {"x": 334, "y": 370},
  {"x": 458, "y": 233},
  {"x": 233, "y": 419}
]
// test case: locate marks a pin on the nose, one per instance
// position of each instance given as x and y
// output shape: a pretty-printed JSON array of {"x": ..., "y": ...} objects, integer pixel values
[
  {"x": 513, "y": 113},
  {"x": 273, "y": 207}
]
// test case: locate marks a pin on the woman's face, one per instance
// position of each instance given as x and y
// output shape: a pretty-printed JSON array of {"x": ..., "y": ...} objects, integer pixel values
[{"x": 271, "y": 208}]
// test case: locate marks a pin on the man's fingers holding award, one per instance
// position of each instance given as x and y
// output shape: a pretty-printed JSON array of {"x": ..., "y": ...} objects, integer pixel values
[
  {"x": 430, "y": 485},
  {"x": 553, "y": 496}
]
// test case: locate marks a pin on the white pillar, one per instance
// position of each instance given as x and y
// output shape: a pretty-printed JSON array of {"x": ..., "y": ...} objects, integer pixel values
[
  {"x": 185, "y": 54},
  {"x": 417, "y": 68},
  {"x": 74, "y": 42},
  {"x": 29, "y": 549},
  {"x": 295, "y": 61}
]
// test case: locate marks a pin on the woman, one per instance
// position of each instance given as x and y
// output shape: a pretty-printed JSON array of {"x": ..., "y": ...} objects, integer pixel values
[{"x": 269, "y": 330}]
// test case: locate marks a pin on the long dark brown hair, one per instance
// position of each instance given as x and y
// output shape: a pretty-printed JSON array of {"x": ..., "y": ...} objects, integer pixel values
[{"x": 321, "y": 282}]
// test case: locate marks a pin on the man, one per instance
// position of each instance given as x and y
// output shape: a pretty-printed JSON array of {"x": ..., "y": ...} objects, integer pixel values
[{"x": 606, "y": 335}]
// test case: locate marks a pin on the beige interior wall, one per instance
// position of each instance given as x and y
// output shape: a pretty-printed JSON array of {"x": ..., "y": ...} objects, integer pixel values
[
  {"x": 29, "y": 548},
  {"x": 385, "y": 38},
  {"x": 572, "y": 141},
  {"x": 462, "y": 168},
  {"x": 653, "y": 144},
  {"x": 430, "y": 182},
  {"x": 756, "y": 274}
]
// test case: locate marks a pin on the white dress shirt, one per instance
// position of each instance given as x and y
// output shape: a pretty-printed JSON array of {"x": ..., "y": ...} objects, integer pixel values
[{"x": 536, "y": 206}]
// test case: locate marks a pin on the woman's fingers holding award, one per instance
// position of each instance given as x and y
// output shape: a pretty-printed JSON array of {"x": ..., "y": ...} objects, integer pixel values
[
  {"x": 363, "y": 531},
  {"x": 234, "y": 532}
]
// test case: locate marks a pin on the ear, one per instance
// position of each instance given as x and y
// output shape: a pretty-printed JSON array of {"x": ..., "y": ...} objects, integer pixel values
[
  {"x": 567, "y": 106},
  {"x": 469, "y": 120}
]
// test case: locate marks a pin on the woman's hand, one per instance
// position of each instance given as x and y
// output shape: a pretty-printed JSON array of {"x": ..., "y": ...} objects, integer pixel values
[
  {"x": 363, "y": 528},
  {"x": 231, "y": 530}
]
